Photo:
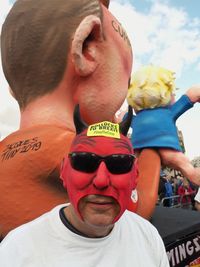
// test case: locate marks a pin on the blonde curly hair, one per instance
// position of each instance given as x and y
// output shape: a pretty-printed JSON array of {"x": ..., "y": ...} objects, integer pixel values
[{"x": 151, "y": 87}]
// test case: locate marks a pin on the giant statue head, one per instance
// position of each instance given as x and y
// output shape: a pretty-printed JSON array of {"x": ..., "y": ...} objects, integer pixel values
[{"x": 74, "y": 49}]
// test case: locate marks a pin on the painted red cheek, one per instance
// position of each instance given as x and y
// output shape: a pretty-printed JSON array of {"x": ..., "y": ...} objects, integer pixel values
[
  {"x": 121, "y": 181},
  {"x": 80, "y": 180}
]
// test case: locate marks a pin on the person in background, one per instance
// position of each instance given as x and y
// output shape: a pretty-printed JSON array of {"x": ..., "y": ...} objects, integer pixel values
[
  {"x": 161, "y": 188},
  {"x": 185, "y": 192},
  {"x": 176, "y": 182},
  {"x": 95, "y": 228},
  {"x": 165, "y": 191}
]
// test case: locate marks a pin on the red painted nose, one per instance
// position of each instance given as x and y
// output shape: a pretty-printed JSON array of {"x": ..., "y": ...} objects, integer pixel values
[{"x": 102, "y": 179}]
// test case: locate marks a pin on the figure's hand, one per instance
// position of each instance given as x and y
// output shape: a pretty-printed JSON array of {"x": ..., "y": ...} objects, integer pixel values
[{"x": 194, "y": 93}]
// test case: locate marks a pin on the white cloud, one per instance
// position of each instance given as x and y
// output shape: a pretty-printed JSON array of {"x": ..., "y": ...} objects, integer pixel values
[
  {"x": 189, "y": 125},
  {"x": 165, "y": 35},
  {"x": 9, "y": 112},
  {"x": 9, "y": 120},
  {"x": 198, "y": 66},
  {"x": 4, "y": 9}
]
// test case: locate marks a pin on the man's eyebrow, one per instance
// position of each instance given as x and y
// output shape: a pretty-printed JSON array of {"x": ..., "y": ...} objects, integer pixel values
[
  {"x": 84, "y": 140},
  {"x": 122, "y": 144}
]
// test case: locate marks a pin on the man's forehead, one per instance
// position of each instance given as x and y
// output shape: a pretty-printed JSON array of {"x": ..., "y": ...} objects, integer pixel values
[{"x": 83, "y": 141}]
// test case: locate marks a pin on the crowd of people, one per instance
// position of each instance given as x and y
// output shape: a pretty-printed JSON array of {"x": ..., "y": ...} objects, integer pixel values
[{"x": 176, "y": 192}]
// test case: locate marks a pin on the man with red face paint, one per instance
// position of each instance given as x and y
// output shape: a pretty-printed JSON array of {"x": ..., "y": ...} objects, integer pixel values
[{"x": 95, "y": 228}]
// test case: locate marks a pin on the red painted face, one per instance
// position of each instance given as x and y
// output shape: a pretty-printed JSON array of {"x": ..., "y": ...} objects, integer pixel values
[{"x": 111, "y": 191}]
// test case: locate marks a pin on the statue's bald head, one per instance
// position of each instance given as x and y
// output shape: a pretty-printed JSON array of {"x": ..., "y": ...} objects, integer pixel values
[{"x": 35, "y": 41}]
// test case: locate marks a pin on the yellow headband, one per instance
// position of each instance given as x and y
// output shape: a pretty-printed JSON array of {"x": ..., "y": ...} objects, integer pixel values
[{"x": 104, "y": 128}]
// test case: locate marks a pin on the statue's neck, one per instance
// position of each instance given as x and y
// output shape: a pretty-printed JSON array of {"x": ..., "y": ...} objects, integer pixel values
[{"x": 50, "y": 109}]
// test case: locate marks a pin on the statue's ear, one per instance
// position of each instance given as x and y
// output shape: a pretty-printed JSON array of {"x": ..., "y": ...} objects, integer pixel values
[{"x": 84, "y": 45}]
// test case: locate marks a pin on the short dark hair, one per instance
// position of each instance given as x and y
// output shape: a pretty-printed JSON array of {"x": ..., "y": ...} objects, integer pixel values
[{"x": 35, "y": 41}]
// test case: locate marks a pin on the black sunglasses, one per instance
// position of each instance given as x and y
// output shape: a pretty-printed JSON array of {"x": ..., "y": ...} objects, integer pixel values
[{"x": 89, "y": 162}]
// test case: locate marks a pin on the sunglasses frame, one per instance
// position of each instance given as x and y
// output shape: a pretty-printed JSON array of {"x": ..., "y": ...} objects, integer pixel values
[{"x": 106, "y": 159}]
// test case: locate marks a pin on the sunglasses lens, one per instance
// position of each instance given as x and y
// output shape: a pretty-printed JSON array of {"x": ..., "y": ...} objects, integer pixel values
[
  {"x": 89, "y": 162},
  {"x": 119, "y": 164},
  {"x": 84, "y": 162}
]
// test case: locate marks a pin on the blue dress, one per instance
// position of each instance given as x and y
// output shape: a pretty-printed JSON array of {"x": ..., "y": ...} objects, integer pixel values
[{"x": 156, "y": 127}]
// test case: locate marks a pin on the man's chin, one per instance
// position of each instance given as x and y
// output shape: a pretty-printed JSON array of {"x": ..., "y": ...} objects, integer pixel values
[
  {"x": 99, "y": 222},
  {"x": 100, "y": 215}
]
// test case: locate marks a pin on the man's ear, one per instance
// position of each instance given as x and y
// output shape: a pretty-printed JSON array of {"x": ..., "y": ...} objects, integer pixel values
[{"x": 84, "y": 45}]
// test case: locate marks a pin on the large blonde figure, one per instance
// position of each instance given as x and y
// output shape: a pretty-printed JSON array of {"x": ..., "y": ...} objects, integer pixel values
[{"x": 151, "y": 94}]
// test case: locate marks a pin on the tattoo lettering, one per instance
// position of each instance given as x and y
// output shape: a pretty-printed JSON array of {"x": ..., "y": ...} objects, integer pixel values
[
  {"x": 21, "y": 147},
  {"x": 119, "y": 29}
]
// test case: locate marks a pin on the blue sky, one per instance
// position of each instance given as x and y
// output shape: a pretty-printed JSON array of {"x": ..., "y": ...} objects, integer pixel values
[
  {"x": 162, "y": 32},
  {"x": 190, "y": 6}
]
